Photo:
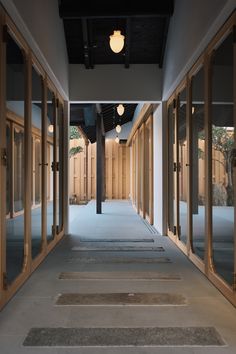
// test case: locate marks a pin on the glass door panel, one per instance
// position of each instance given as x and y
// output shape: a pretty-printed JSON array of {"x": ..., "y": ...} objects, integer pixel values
[
  {"x": 141, "y": 168},
  {"x": 172, "y": 210},
  {"x": 147, "y": 168},
  {"x": 182, "y": 165},
  {"x": 223, "y": 145},
  {"x": 36, "y": 209},
  {"x": 60, "y": 169},
  {"x": 15, "y": 186},
  {"x": 198, "y": 163},
  {"x": 50, "y": 164}
]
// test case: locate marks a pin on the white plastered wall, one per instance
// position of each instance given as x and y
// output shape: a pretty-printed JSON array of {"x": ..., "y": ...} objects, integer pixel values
[
  {"x": 193, "y": 25},
  {"x": 115, "y": 83}
]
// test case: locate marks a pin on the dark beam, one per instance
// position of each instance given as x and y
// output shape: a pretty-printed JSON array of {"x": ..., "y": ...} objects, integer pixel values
[
  {"x": 74, "y": 9},
  {"x": 91, "y": 48},
  {"x": 165, "y": 33},
  {"x": 86, "y": 44},
  {"x": 127, "y": 43},
  {"x": 99, "y": 179}
]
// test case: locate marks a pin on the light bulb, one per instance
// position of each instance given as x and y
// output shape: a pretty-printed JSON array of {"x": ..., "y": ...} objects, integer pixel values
[
  {"x": 50, "y": 128},
  {"x": 193, "y": 110},
  {"x": 118, "y": 128},
  {"x": 120, "y": 109},
  {"x": 117, "y": 139},
  {"x": 116, "y": 41}
]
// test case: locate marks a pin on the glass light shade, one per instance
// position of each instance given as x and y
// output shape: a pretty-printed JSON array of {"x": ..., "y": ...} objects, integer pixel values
[
  {"x": 117, "y": 140},
  {"x": 120, "y": 109},
  {"x": 116, "y": 41},
  {"x": 118, "y": 128},
  {"x": 50, "y": 128}
]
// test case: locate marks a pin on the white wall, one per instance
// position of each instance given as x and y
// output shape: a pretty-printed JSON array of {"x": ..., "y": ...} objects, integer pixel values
[
  {"x": 192, "y": 26},
  {"x": 40, "y": 24},
  {"x": 115, "y": 83},
  {"x": 157, "y": 168}
]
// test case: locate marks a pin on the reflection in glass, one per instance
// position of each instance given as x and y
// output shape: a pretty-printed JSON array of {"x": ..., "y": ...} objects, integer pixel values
[
  {"x": 15, "y": 69},
  {"x": 222, "y": 130},
  {"x": 182, "y": 165},
  {"x": 18, "y": 153},
  {"x": 171, "y": 174},
  {"x": 36, "y": 210},
  {"x": 50, "y": 163},
  {"x": 198, "y": 163}
]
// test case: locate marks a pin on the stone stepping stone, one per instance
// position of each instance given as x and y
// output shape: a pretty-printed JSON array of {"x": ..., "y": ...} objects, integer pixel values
[
  {"x": 118, "y": 248},
  {"x": 117, "y": 240},
  {"x": 152, "y": 275},
  {"x": 127, "y": 260},
  {"x": 117, "y": 337},
  {"x": 121, "y": 299}
]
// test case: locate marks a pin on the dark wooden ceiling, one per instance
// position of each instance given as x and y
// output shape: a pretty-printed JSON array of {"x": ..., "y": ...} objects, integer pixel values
[
  {"x": 88, "y": 26},
  {"x": 84, "y": 115}
]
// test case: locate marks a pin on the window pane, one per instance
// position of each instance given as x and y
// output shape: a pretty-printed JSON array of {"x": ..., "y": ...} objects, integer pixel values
[
  {"x": 15, "y": 91},
  {"x": 222, "y": 129},
  {"x": 198, "y": 163}
]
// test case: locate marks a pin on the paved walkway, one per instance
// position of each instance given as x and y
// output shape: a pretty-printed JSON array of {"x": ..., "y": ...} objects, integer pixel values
[{"x": 35, "y": 304}]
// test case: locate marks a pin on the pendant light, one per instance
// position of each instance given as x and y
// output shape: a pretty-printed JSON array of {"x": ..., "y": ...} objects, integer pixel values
[
  {"x": 50, "y": 128},
  {"x": 117, "y": 41},
  {"x": 117, "y": 139},
  {"x": 120, "y": 109},
  {"x": 118, "y": 128}
]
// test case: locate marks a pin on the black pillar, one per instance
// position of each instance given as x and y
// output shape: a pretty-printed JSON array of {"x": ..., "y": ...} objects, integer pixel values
[
  {"x": 99, "y": 188},
  {"x": 103, "y": 157}
]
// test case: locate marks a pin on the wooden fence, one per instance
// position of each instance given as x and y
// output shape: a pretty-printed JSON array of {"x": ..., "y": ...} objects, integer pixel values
[{"x": 117, "y": 171}]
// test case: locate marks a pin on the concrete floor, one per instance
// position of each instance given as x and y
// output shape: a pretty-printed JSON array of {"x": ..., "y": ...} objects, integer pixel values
[{"x": 34, "y": 304}]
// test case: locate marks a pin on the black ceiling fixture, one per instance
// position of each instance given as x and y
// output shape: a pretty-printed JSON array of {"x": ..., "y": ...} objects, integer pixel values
[
  {"x": 84, "y": 115},
  {"x": 87, "y": 31}
]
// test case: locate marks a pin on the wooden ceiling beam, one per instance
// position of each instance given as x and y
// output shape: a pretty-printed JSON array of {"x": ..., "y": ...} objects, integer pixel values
[{"x": 70, "y": 9}]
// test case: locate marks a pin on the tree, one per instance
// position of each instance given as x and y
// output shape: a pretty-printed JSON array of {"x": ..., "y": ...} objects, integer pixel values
[
  {"x": 74, "y": 134},
  {"x": 223, "y": 141}
]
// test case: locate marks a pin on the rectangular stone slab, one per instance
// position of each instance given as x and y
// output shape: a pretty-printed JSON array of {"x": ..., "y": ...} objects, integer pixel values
[
  {"x": 93, "y": 260},
  {"x": 152, "y": 275},
  {"x": 118, "y": 248},
  {"x": 119, "y": 299},
  {"x": 116, "y": 240},
  {"x": 116, "y": 337}
]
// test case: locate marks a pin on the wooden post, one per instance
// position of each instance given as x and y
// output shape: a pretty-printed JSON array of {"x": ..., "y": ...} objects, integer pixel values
[{"x": 99, "y": 180}]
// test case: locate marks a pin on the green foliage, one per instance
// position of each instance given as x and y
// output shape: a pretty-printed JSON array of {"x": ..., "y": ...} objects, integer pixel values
[
  {"x": 74, "y": 134},
  {"x": 223, "y": 141},
  {"x": 75, "y": 150}
]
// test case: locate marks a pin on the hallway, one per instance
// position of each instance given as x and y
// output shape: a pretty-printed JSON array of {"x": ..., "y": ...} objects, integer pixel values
[{"x": 183, "y": 296}]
